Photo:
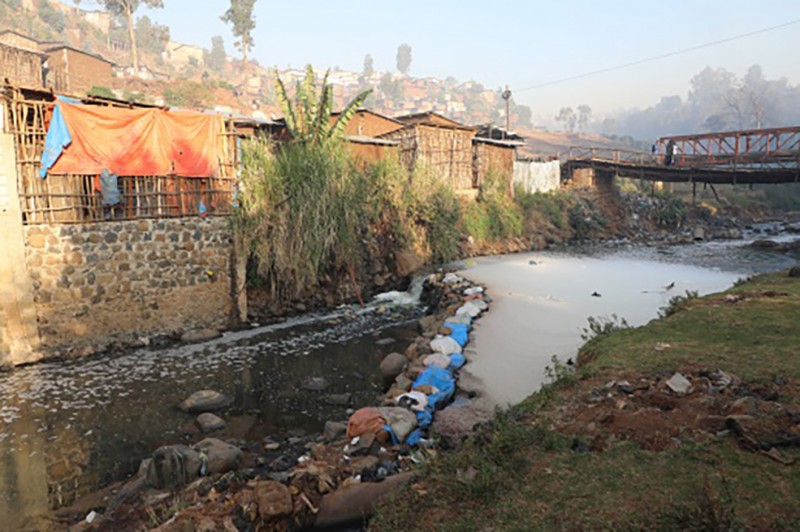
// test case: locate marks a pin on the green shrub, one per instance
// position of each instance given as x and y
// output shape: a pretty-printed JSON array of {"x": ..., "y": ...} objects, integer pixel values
[
  {"x": 670, "y": 211},
  {"x": 101, "y": 92}
]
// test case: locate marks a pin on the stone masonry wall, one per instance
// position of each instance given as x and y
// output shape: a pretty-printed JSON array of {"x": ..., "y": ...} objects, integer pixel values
[{"x": 95, "y": 284}]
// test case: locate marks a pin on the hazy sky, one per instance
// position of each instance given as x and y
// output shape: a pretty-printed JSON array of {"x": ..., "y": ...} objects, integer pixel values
[{"x": 517, "y": 43}]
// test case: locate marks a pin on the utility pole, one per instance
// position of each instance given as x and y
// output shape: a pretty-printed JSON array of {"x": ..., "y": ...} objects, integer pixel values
[{"x": 507, "y": 98}]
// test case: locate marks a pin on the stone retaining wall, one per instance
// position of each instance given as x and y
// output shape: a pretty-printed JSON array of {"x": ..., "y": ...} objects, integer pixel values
[{"x": 95, "y": 284}]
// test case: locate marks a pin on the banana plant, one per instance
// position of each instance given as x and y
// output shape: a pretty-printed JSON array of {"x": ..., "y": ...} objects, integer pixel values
[{"x": 308, "y": 114}]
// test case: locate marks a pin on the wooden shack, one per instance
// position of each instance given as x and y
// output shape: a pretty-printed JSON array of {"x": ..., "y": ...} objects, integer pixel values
[
  {"x": 19, "y": 40},
  {"x": 433, "y": 143},
  {"x": 370, "y": 149},
  {"x": 21, "y": 66},
  {"x": 494, "y": 157},
  {"x": 74, "y": 71},
  {"x": 368, "y": 123}
]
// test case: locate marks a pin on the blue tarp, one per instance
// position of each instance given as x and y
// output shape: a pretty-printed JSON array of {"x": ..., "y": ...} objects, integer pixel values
[{"x": 57, "y": 139}]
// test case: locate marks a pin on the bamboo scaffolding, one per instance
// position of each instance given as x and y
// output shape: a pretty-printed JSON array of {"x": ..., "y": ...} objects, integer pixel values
[{"x": 71, "y": 199}]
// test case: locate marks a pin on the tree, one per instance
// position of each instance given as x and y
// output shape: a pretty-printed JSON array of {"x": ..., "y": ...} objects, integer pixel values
[
  {"x": 404, "y": 58},
  {"x": 240, "y": 16},
  {"x": 369, "y": 67},
  {"x": 154, "y": 37},
  {"x": 523, "y": 115},
  {"x": 52, "y": 17},
  {"x": 584, "y": 116},
  {"x": 568, "y": 117},
  {"x": 216, "y": 57},
  {"x": 127, "y": 8},
  {"x": 308, "y": 116}
]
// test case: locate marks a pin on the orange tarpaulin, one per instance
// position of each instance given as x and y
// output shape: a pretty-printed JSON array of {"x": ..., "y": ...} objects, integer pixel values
[{"x": 140, "y": 142}]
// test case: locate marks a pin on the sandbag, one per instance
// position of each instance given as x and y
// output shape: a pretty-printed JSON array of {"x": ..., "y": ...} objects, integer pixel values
[
  {"x": 437, "y": 359},
  {"x": 400, "y": 420},
  {"x": 460, "y": 332},
  {"x": 469, "y": 309},
  {"x": 365, "y": 420},
  {"x": 457, "y": 360},
  {"x": 463, "y": 319},
  {"x": 445, "y": 345},
  {"x": 442, "y": 383}
]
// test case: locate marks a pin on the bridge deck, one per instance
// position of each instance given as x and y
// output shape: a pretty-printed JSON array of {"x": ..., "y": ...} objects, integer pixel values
[{"x": 675, "y": 174}]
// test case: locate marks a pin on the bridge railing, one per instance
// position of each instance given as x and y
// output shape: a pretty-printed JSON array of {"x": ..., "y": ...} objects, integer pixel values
[
  {"x": 756, "y": 148},
  {"x": 612, "y": 155}
]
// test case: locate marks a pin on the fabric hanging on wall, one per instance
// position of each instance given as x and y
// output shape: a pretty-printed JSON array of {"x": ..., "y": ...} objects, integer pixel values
[{"x": 132, "y": 142}]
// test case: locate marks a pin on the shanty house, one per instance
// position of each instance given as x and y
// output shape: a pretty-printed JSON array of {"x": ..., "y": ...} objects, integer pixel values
[
  {"x": 19, "y": 40},
  {"x": 20, "y": 66},
  {"x": 495, "y": 151},
  {"x": 74, "y": 71},
  {"x": 368, "y": 123},
  {"x": 431, "y": 142}
]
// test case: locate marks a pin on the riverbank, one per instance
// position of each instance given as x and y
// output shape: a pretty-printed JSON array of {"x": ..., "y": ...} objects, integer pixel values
[
  {"x": 299, "y": 478},
  {"x": 690, "y": 421}
]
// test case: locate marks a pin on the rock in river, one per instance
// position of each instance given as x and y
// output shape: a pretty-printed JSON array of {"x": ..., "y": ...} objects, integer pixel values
[
  {"x": 220, "y": 456},
  {"x": 334, "y": 430},
  {"x": 199, "y": 335},
  {"x": 204, "y": 401},
  {"x": 314, "y": 384},
  {"x": 173, "y": 466},
  {"x": 392, "y": 365},
  {"x": 208, "y": 422}
]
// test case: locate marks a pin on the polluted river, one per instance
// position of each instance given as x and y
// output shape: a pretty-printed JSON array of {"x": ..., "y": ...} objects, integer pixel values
[{"x": 68, "y": 428}]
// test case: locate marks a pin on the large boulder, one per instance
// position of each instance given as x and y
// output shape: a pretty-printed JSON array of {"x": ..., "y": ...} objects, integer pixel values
[
  {"x": 392, "y": 365},
  {"x": 357, "y": 501},
  {"x": 274, "y": 501},
  {"x": 205, "y": 401},
  {"x": 220, "y": 456},
  {"x": 457, "y": 422},
  {"x": 173, "y": 466}
]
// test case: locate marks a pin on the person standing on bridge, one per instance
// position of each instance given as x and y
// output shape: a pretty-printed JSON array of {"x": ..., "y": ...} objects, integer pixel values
[{"x": 670, "y": 154}]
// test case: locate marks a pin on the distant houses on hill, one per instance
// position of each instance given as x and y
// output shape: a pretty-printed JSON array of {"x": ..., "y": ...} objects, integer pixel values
[{"x": 55, "y": 65}]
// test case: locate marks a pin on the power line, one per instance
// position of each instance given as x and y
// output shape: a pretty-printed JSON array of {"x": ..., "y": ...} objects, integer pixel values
[{"x": 659, "y": 57}]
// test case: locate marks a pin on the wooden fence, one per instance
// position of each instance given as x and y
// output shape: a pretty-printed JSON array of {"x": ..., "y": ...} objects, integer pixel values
[{"x": 72, "y": 198}]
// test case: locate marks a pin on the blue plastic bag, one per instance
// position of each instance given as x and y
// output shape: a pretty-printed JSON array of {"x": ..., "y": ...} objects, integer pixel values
[
  {"x": 460, "y": 332},
  {"x": 456, "y": 361},
  {"x": 438, "y": 378}
]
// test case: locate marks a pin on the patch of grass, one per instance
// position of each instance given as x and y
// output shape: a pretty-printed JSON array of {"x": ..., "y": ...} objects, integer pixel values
[{"x": 753, "y": 338}]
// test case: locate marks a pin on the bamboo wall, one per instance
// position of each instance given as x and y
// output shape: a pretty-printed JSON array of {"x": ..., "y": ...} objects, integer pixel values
[
  {"x": 21, "y": 67},
  {"x": 493, "y": 158},
  {"x": 74, "y": 198},
  {"x": 445, "y": 151}
]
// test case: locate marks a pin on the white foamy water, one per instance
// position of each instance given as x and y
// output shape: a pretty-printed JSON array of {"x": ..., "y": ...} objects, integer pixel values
[{"x": 540, "y": 309}]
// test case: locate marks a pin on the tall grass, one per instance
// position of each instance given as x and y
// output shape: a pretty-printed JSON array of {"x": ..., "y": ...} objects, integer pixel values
[
  {"x": 303, "y": 212},
  {"x": 310, "y": 211}
]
